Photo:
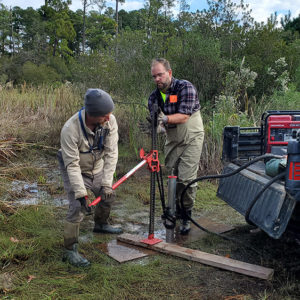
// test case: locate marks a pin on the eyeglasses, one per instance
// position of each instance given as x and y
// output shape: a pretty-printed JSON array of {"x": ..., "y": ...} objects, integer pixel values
[{"x": 158, "y": 75}]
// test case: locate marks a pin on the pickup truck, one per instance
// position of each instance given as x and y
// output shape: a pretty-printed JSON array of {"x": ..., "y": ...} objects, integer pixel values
[{"x": 274, "y": 208}]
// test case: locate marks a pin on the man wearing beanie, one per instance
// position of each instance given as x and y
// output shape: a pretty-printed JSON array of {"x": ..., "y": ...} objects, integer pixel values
[{"x": 87, "y": 159}]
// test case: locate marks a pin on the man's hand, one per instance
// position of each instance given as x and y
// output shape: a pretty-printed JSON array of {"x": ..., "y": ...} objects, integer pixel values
[
  {"x": 106, "y": 192},
  {"x": 83, "y": 202}
]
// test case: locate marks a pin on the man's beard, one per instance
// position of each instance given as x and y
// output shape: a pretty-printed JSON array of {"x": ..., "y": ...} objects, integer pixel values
[{"x": 163, "y": 86}]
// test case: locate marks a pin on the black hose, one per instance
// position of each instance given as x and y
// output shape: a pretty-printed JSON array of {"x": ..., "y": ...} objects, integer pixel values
[{"x": 268, "y": 155}]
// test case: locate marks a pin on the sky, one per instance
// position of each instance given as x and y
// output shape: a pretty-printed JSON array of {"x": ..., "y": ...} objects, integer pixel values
[{"x": 261, "y": 9}]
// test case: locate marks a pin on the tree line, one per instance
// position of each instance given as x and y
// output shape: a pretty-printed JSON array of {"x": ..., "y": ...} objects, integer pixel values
[{"x": 221, "y": 49}]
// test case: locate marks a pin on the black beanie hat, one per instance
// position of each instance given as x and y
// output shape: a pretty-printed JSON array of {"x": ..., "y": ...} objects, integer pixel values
[{"x": 98, "y": 103}]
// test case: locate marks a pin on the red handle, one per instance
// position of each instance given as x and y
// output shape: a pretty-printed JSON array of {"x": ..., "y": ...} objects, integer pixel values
[
  {"x": 153, "y": 164},
  {"x": 95, "y": 202}
]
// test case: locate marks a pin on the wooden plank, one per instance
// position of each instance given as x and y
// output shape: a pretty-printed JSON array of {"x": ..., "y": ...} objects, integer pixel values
[{"x": 202, "y": 257}]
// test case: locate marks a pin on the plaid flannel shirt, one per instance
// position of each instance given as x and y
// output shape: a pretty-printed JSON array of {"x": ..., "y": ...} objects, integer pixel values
[{"x": 187, "y": 101}]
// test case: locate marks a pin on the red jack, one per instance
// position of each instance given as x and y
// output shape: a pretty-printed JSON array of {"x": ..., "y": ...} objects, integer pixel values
[{"x": 151, "y": 240}]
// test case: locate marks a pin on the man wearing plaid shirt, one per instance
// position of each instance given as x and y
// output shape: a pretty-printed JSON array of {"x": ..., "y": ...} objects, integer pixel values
[{"x": 180, "y": 115}]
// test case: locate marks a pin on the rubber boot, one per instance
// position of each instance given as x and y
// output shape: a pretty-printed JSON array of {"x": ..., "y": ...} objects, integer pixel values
[
  {"x": 71, "y": 233},
  {"x": 185, "y": 226},
  {"x": 74, "y": 258},
  {"x": 106, "y": 228}
]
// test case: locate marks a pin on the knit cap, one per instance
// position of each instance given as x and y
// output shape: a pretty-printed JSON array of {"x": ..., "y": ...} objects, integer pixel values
[{"x": 98, "y": 103}]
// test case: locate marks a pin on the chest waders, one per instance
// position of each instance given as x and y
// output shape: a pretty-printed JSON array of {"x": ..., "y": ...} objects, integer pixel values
[
  {"x": 97, "y": 145},
  {"x": 182, "y": 154},
  {"x": 102, "y": 211}
]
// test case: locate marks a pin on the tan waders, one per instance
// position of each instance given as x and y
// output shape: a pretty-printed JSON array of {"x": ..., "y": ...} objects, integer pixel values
[
  {"x": 183, "y": 150},
  {"x": 101, "y": 217}
]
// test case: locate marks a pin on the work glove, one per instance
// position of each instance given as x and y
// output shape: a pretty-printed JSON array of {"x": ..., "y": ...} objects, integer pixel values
[
  {"x": 147, "y": 127},
  {"x": 161, "y": 129},
  {"x": 162, "y": 119},
  {"x": 84, "y": 205},
  {"x": 106, "y": 192},
  {"x": 282, "y": 163}
]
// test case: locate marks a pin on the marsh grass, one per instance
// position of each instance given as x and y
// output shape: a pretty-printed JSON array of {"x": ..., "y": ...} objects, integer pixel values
[
  {"x": 29, "y": 232},
  {"x": 23, "y": 172},
  {"x": 288, "y": 100},
  {"x": 37, "y": 114},
  {"x": 129, "y": 116},
  {"x": 31, "y": 251},
  {"x": 33, "y": 259}
]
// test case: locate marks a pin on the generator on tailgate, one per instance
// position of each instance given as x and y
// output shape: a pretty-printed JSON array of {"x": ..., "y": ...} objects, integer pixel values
[{"x": 272, "y": 204}]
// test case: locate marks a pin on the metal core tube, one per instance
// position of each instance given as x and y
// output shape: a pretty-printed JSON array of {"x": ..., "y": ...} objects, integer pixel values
[{"x": 170, "y": 237}]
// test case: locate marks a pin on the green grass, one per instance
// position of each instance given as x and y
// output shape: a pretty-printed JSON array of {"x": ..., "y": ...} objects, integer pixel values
[
  {"x": 30, "y": 231},
  {"x": 206, "y": 196},
  {"x": 35, "y": 253}
]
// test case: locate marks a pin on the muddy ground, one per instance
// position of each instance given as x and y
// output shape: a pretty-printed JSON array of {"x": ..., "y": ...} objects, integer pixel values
[{"x": 187, "y": 279}]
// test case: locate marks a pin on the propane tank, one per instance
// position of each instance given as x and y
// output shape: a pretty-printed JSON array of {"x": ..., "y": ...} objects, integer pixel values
[{"x": 292, "y": 177}]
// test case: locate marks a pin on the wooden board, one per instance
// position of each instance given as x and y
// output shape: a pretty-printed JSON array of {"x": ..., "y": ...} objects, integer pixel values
[{"x": 202, "y": 257}]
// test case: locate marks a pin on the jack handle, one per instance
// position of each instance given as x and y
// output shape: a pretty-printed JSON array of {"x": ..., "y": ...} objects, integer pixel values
[{"x": 147, "y": 159}]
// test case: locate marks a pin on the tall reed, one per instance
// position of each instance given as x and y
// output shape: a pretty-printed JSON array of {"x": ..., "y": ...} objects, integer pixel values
[{"x": 37, "y": 114}]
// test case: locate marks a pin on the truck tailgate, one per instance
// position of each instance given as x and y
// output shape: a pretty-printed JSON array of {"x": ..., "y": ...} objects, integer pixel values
[{"x": 273, "y": 209}]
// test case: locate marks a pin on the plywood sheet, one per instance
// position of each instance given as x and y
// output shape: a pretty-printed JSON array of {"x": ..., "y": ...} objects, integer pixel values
[{"x": 123, "y": 252}]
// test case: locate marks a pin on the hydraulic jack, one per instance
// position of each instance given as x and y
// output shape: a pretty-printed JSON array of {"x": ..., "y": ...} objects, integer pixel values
[{"x": 155, "y": 170}]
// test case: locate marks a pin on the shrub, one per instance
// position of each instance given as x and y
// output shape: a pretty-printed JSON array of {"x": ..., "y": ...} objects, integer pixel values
[{"x": 38, "y": 75}]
